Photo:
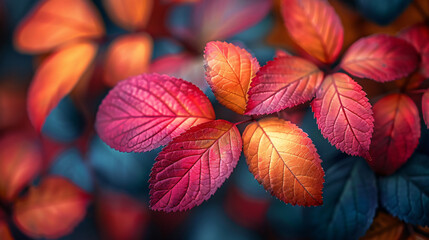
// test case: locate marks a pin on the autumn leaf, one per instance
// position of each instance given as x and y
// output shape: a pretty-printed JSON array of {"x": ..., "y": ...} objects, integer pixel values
[
  {"x": 425, "y": 107},
  {"x": 147, "y": 111},
  {"x": 315, "y": 27},
  {"x": 385, "y": 227},
  {"x": 396, "y": 132},
  {"x": 284, "y": 160},
  {"x": 194, "y": 165},
  {"x": 56, "y": 22},
  {"x": 129, "y": 14},
  {"x": 127, "y": 56},
  {"x": 56, "y": 77},
  {"x": 283, "y": 83},
  {"x": 20, "y": 162},
  {"x": 50, "y": 210},
  {"x": 344, "y": 114},
  {"x": 418, "y": 36},
  {"x": 229, "y": 71},
  {"x": 381, "y": 58}
]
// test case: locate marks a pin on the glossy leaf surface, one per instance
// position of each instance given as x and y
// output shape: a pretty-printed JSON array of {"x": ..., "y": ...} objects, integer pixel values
[
  {"x": 425, "y": 107},
  {"x": 229, "y": 71},
  {"x": 147, "y": 111},
  {"x": 52, "y": 209},
  {"x": 56, "y": 77},
  {"x": 129, "y": 14},
  {"x": 194, "y": 165},
  {"x": 315, "y": 27},
  {"x": 384, "y": 227},
  {"x": 381, "y": 58},
  {"x": 418, "y": 36},
  {"x": 284, "y": 160},
  {"x": 344, "y": 114},
  {"x": 283, "y": 83},
  {"x": 405, "y": 194},
  {"x": 20, "y": 162},
  {"x": 56, "y": 22},
  {"x": 396, "y": 132},
  {"x": 350, "y": 201},
  {"x": 127, "y": 56}
]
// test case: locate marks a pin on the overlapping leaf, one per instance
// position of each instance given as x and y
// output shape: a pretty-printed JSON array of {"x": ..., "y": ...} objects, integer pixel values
[
  {"x": 385, "y": 227},
  {"x": 284, "y": 160},
  {"x": 127, "y": 56},
  {"x": 50, "y": 210},
  {"x": 283, "y": 83},
  {"x": 405, "y": 194},
  {"x": 418, "y": 36},
  {"x": 381, "y": 58},
  {"x": 350, "y": 201},
  {"x": 129, "y": 14},
  {"x": 315, "y": 27},
  {"x": 20, "y": 162},
  {"x": 344, "y": 114},
  {"x": 396, "y": 132},
  {"x": 147, "y": 111},
  {"x": 55, "y": 22},
  {"x": 425, "y": 107},
  {"x": 194, "y": 165},
  {"x": 56, "y": 77},
  {"x": 229, "y": 72}
]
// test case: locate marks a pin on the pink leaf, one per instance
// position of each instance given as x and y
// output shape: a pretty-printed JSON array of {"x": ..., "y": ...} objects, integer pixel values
[
  {"x": 283, "y": 83},
  {"x": 396, "y": 132},
  {"x": 381, "y": 58},
  {"x": 344, "y": 114},
  {"x": 425, "y": 107},
  {"x": 418, "y": 36},
  {"x": 194, "y": 165},
  {"x": 147, "y": 111}
]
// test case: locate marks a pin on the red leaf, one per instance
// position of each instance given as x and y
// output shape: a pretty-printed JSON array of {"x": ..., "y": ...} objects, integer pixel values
[
  {"x": 418, "y": 36},
  {"x": 396, "y": 132},
  {"x": 194, "y": 165},
  {"x": 381, "y": 58},
  {"x": 425, "y": 107},
  {"x": 315, "y": 27},
  {"x": 56, "y": 22},
  {"x": 20, "y": 162},
  {"x": 129, "y": 14},
  {"x": 283, "y": 83},
  {"x": 284, "y": 160},
  {"x": 344, "y": 114},
  {"x": 56, "y": 77},
  {"x": 147, "y": 111},
  {"x": 52, "y": 209},
  {"x": 121, "y": 217},
  {"x": 127, "y": 56},
  {"x": 229, "y": 71}
]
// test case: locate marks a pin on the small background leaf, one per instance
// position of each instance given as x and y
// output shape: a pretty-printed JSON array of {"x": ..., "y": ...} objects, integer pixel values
[
  {"x": 129, "y": 14},
  {"x": 384, "y": 227},
  {"x": 418, "y": 36},
  {"x": 425, "y": 107}
]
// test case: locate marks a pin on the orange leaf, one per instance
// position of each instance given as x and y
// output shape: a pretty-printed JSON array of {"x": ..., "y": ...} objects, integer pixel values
[
  {"x": 52, "y": 209},
  {"x": 129, "y": 14},
  {"x": 284, "y": 160},
  {"x": 20, "y": 162},
  {"x": 230, "y": 70},
  {"x": 384, "y": 227},
  {"x": 315, "y": 27},
  {"x": 56, "y": 77},
  {"x": 55, "y": 22},
  {"x": 128, "y": 55}
]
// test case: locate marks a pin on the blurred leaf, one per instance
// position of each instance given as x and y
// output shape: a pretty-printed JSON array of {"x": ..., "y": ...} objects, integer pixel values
[
  {"x": 20, "y": 163},
  {"x": 12, "y": 101},
  {"x": 52, "y": 209},
  {"x": 56, "y": 77},
  {"x": 382, "y": 11},
  {"x": 5, "y": 233},
  {"x": 405, "y": 194},
  {"x": 55, "y": 22},
  {"x": 127, "y": 56},
  {"x": 385, "y": 227},
  {"x": 350, "y": 200},
  {"x": 287, "y": 221},
  {"x": 418, "y": 36},
  {"x": 129, "y": 14},
  {"x": 425, "y": 107}
]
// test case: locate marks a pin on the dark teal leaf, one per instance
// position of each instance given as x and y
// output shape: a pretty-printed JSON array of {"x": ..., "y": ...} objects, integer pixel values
[
  {"x": 405, "y": 194},
  {"x": 382, "y": 11},
  {"x": 349, "y": 201}
]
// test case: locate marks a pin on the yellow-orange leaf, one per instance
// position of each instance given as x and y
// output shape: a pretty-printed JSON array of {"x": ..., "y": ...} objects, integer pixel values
[
  {"x": 229, "y": 72},
  {"x": 129, "y": 14},
  {"x": 284, "y": 160},
  {"x": 385, "y": 227},
  {"x": 127, "y": 56},
  {"x": 56, "y": 77},
  {"x": 55, "y": 22}
]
